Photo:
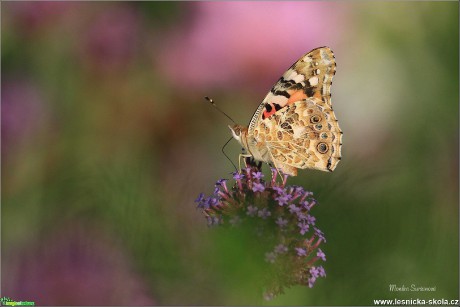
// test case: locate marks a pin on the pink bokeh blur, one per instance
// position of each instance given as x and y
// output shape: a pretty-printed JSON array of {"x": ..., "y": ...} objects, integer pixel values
[
  {"x": 82, "y": 265},
  {"x": 226, "y": 44}
]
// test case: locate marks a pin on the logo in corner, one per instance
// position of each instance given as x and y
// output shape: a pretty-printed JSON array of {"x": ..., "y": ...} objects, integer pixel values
[{"x": 6, "y": 301}]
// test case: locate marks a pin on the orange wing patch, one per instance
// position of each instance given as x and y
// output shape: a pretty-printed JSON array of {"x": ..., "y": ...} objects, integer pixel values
[
  {"x": 296, "y": 96},
  {"x": 318, "y": 95}
]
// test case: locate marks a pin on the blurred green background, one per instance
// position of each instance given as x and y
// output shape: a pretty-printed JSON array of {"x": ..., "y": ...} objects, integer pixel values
[{"x": 107, "y": 141}]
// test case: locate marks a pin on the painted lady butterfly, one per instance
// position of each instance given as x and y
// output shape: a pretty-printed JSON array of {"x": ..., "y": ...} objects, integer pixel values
[{"x": 295, "y": 127}]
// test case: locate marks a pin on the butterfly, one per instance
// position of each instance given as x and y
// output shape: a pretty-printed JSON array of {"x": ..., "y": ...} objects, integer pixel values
[{"x": 295, "y": 126}]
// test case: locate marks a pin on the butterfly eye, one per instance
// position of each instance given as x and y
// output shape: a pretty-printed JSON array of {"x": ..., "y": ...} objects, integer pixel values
[
  {"x": 322, "y": 148},
  {"x": 315, "y": 119}
]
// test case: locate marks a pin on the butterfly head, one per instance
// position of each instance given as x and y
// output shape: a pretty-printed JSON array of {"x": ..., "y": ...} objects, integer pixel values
[{"x": 239, "y": 133}]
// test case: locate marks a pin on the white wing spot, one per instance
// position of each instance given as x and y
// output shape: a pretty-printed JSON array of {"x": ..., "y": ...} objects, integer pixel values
[
  {"x": 291, "y": 74},
  {"x": 298, "y": 132},
  {"x": 299, "y": 78},
  {"x": 278, "y": 99},
  {"x": 313, "y": 81}
]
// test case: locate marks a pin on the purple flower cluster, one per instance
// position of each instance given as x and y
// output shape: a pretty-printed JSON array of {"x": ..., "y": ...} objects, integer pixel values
[{"x": 281, "y": 214}]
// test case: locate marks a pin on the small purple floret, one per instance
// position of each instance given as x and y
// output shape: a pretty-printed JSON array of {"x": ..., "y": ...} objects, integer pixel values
[
  {"x": 251, "y": 210},
  {"x": 220, "y": 182},
  {"x": 321, "y": 271},
  {"x": 311, "y": 282},
  {"x": 320, "y": 234},
  {"x": 281, "y": 249},
  {"x": 279, "y": 190},
  {"x": 311, "y": 220},
  {"x": 281, "y": 222},
  {"x": 257, "y": 175},
  {"x": 314, "y": 272},
  {"x": 200, "y": 198},
  {"x": 304, "y": 227},
  {"x": 298, "y": 189},
  {"x": 258, "y": 187},
  {"x": 300, "y": 251},
  {"x": 301, "y": 216},
  {"x": 215, "y": 220},
  {"x": 264, "y": 213},
  {"x": 321, "y": 254},
  {"x": 294, "y": 209},
  {"x": 305, "y": 204},
  {"x": 235, "y": 220},
  {"x": 283, "y": 199}
]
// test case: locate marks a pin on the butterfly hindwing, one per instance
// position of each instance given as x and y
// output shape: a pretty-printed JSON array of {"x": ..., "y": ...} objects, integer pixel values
[{"x": 304, "y": 134}]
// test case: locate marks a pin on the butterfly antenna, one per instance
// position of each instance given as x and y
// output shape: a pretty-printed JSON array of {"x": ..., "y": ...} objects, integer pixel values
[
  {"x": 223, "y": 147},
  {"x": 215, "y": 106}
]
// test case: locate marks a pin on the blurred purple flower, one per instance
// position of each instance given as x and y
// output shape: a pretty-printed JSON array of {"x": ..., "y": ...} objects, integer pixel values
[
  {"x": 235, "y": 220},
  {"x": 311, "y": 281},
  {"x": 264, "y": 213},
  {"x": 281, "y": 222},
  {"x": 268, "y": 296},
  {"x": 296, "y": 243},
  {"x": 281, "y": 249},
  {"x": 270, "y": 257},
  {"x": 23, "y": 111},
  {"x": 252, "y": 210},
  {"x": 78, "y": 266},
  {"x": 214, "y": 220},
  {"x": 31, "y": 16},
  {"x": 233, "y": 43},
  {"x": 113, "y": 38}
]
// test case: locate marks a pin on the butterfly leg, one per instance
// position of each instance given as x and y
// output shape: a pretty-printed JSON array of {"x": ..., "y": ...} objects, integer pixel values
[
  {"x": 239, "y": 159},
  {"x": 283, "y": 169}
]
